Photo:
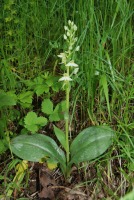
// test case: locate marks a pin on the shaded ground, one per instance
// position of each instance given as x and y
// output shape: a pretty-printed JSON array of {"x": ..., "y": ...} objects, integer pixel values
[{"x": 84, "y": 184}]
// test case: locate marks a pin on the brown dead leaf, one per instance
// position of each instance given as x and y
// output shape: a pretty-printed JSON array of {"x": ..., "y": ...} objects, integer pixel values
[
  {"x": 71, "y": 194},
  {"x": 46, "y": 180}
]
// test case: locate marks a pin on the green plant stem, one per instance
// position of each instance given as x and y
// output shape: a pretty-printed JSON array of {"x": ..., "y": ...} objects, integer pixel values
[{"x": 67, "y": 118}]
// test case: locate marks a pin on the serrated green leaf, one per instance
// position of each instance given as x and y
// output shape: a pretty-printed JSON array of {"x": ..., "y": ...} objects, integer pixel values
[
  {"x": 33, "y": 128},
  {"x": 60, "y": 136},
  {"x": 40, "y": 89},
  {"x": 37, "y": 146},
  {"x": 60, "y": 107},
  {"x": 26, "y": 97},
  {"x": 30, "y": 118},
  {"x": 42, "y": 121},
  {"x": 54, "y": 117},
  {"x": 91, "y": 143},
  {"x": 32, "y": 122},
  {"x": 47, "y": 106},
  {"x": 50, "y": 81}
]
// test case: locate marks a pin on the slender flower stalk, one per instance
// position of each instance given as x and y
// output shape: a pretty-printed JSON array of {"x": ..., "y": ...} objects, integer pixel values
[{"x": 71, "y": 68}]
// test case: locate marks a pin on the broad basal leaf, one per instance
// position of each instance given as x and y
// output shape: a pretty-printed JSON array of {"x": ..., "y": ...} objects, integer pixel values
[
  {"x": 91, "y": 143},
  {"x": 47, "y": 106},
  {"x": 35, "y": 147}
]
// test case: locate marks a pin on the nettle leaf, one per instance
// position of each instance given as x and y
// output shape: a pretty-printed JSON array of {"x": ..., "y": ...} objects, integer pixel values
[
  {"x": 33, "y": 123},
  {"x": 37, "y": 146},
  {"x": 47, "y": 106},
  {"x": 60, "y": 136},
  {"x": 7, "y": 99},
  {"x": 91, "y": 143}
]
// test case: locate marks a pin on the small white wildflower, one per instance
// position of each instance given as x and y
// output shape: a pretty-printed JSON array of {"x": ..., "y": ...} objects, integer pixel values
[
  {"x": 69, "y": 22},
  {"x": 66, "y": 28},
  {"x": 63, "y": 57},
  {"x": 65, "y": 37},
  {"x": 70, "y": 47},
  {"x": 71, "y": 64},
  {"x": 65, "y": 78},
  {"x": 75, "y": 27},
  {"x": 72, "y": 23},
  {"x": 75, "y": 39},
  {"x": 77, "y": 48},
  {"x": 97, "y": 73},
  {"x": 76, "y": 70},
  {"x": 68, "y": 34}
]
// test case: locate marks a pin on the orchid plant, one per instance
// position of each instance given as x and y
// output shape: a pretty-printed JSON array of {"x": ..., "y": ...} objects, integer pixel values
[{"x": 88, "y": 144}]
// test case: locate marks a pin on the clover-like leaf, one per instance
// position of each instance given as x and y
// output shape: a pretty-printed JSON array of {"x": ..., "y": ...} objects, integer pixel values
[{"x": 33, "y": 122}]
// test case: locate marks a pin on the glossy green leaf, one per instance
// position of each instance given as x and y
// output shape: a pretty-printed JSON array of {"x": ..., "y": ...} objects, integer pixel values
[
  {"x": 47, "y": 106},
  {"x": 60, "y": 136},
  {"x": 91, "y": 143},
  {"x": 37, "y": 146}
]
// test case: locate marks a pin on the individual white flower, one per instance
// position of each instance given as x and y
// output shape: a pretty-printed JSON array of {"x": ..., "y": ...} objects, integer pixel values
[
  {"x": 75, "y": 27},
  {"x": 68, "y": 34},
  {"x": 77, "y": 48},
  {"x": 70, "y": 47},
  {"x": 65, "y": 37},
  {"x": 76, "y": 70},
  {"x": 66, "y": 28},
  {"x": 65, "y": 78},
  {"x": 97, "y": 73},
  {"x": 75, "y": 39},
  {"x": 69, "y": 22},
  {"x": 71, "y": 64},
  {"x": 63, "y": 57}
]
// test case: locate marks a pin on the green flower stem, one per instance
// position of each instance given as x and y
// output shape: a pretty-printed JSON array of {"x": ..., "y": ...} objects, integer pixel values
[{"x": 67, "y": 118}]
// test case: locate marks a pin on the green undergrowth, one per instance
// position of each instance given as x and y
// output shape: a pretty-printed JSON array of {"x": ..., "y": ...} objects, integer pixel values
[{"x": 31, "y": 38}]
